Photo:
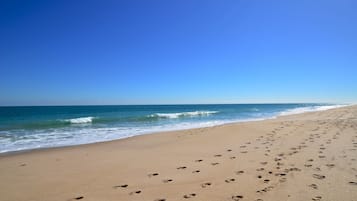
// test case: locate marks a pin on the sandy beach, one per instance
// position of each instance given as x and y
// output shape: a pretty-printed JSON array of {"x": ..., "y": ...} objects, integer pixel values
[{"x": 310, "y": 156}]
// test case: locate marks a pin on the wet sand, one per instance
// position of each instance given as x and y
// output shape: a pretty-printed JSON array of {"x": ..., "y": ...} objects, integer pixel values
[{"x": 310, "y": 156}]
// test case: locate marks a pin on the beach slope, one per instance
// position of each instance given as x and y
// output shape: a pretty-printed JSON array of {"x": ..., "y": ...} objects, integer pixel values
[{"x": 310, "y": 156}]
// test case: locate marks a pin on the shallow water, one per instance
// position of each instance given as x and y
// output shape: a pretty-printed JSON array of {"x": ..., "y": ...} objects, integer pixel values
[{"x": 23, "y": 128}]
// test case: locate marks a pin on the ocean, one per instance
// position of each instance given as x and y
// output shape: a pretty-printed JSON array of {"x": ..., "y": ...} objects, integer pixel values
[{"x": 32, "y": 127}]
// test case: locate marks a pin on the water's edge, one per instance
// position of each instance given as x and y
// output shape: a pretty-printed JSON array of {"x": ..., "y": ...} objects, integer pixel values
[{"x": 283, "y": 114}]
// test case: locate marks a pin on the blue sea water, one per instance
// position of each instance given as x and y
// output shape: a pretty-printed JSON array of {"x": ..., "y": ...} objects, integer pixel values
[{"x": 23, "y": 128}]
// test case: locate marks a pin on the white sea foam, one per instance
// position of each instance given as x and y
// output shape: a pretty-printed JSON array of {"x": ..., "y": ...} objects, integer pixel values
[
  {"x": 308, "y": 109},
  {"x": 81, "y": 120},
  {"x": 87, "y": 134},
  {"x": 183, "y": 114}
]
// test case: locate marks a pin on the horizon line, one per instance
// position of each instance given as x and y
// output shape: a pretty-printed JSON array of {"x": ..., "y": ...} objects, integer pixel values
[{"x": 168, "y": 104}]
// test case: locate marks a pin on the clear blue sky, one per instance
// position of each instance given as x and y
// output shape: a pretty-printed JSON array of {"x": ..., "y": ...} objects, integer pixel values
[{"x": 155, "y": 52}]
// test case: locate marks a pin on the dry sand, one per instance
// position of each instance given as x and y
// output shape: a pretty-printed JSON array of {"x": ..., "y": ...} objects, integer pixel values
[{"x": 310, "y": 156}]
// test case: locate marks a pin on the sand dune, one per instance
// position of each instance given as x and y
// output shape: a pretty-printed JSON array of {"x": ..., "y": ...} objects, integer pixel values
[{"x": 310, "y": 156}]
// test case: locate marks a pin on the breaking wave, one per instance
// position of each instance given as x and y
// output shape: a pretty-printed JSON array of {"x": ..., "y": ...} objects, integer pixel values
[
  {"x": 308, "y": 109},
  {"x": 182, "y": 114},
  {"x": 81, "y": 120}
]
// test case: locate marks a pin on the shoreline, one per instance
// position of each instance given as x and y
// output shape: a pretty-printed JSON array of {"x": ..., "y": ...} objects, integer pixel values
[
  {"x": 309, "y": 156},
  {"x": 4, "y": 154}
]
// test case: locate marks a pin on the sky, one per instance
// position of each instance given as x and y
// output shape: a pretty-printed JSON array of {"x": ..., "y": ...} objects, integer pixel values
[{"x": 177, "y": 52}]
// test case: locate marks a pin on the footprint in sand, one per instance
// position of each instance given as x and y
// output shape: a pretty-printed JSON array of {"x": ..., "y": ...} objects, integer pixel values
[
  {"x": 160, "y": 199},
  {"x": 317, "y": 198},
  {"x": 260, "y": 169},
  {"x": 121, "y": 186},
  {"x": 318, "y": 176},
  {"x": 237, "y": 197},
  {"x": 352, "y": 183},
  {"x": 196, "y": 171},
  {"x": 263, "y": 163},
  {"x": 282, "y": 180},
  {"x": 239, "y": 172},
  {"x": 199, "y": 160},
  {"x": 181, "y": 168},
  {"x": 317, "y": 169},
  {"x": 266, "y": 189},
  {"x": 314, "y": 186},
  {"x": 229, "y": 180},
  {"x": 266, "y": 180},
  {"x": 295, "y": 169},
  {"x": 294, "y": 152},
  {"x": 204, "y": 185},
  {"x": 153, "y": 174},
  {"x": 229, "y": 150},
  {"x": 277, "y": 159},
  {"x": 217, "y": 155},
  {"x": 243, "y": 152},
  {"x": 232, "y": 157},
  {"x": 135, "y": 192},
  {"x": 189, "y": 195},
  {"x": 78, "y": 198},
  {"x": 214, "y": 164},
  {"x": 167, "y": 180}
]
